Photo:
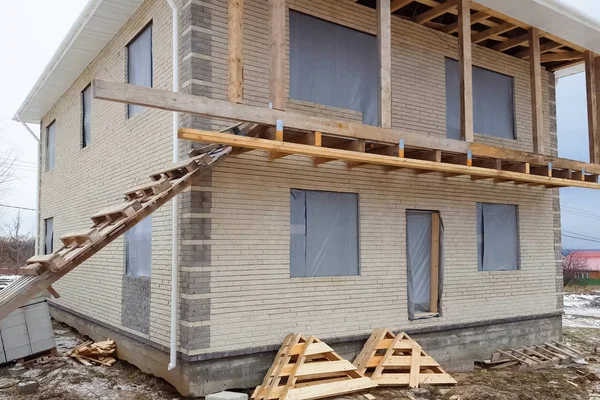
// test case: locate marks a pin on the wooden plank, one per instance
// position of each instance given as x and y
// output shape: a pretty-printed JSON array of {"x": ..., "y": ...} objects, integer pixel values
[
  {"x": 592, "y": 107},
  {"x": 537, "y": 101},
  {"x": 236, "y": 59},
  {"x": 330, "y": 389},
  {"x": 324, "y": 367},
  {"x": 53, "y": 292},
  {"x": 203, "y": 106},
  {"x": 466, "y": 70},
  {"x": 405, "y": 361},
  {"x": 488, "y": 33},
  {"x": 398, "y": 4},
  {"x": 415, "y": 366},
  {"x": 435, "y": 262},
  {"x": 483, "y": 150},
  {"x": 277, "y": 53},
  {"x": 543, "y": 48},
  {"x": 344, "y": 155},
  {"x": 514, "y": 42},
  {"x": 475, "y": 18},
  {"x": 424, "y": 379},
  {"x": 384, "y": 46},
  {"x": 562, "y": 56},
  {"x": 435, "y": 12},
  {"x": 355, "y": 145},
  {"x": 388, "y": 353}
]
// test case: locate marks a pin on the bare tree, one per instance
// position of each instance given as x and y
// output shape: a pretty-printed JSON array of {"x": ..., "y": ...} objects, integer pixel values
[
  {"x": 574, "y": 261},
  {"x": 7, "y": 161},
  {"x": 15, "y": 246}
]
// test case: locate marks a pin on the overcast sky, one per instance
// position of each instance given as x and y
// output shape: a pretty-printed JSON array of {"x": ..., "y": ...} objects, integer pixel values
[{"x": 28, "y": 47}]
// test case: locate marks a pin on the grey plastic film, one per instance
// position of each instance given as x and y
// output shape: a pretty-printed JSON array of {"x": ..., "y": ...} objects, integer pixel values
[
  {"x": 324, "y": 234},
  {"x": 498, "y": 238},
  {"x": 139, "y": 64},
  {"x": 138, "y": 249},
  {"x": 86, "y": 100},
  {"x": 49, "y": 236},
  {"x": 50, "y": 141},
  {"x": 493, "y": 102},
  {"x": 333, "y": 65}
]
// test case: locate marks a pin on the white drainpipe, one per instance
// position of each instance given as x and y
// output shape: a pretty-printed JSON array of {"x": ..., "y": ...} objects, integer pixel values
[
  {"x": 175, "y": 221},
  {"x": 37, "y": 186}
]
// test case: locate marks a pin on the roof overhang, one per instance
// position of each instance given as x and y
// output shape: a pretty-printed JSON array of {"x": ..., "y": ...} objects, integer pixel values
[{"x": 99, "y": 21}]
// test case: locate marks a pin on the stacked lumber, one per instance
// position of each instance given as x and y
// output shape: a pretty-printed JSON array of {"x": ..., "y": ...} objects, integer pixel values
[
  {"x": 398, "y": 360},
  {"x": 306, "y": 368},
  {"x": 100, "y": 353},
  {"x": 533, "y": 357}
]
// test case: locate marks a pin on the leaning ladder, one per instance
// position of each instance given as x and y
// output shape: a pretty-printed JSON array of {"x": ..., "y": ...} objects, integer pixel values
[{"x": 43, "y": 270}]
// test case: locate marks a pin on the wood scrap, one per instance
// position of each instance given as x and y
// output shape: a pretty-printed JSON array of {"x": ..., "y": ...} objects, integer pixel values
[
  {"x": 532, "y": 357},
  {"x": 100, "y": 353}
]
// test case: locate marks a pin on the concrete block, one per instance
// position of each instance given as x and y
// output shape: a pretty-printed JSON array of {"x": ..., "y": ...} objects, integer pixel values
[
  {"x": 227, "y": 396},
  {"x": 28, "y": 387}
]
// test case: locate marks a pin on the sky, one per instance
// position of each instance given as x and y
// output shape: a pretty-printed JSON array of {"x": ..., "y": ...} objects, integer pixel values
[{"x": 28, "y": 48}]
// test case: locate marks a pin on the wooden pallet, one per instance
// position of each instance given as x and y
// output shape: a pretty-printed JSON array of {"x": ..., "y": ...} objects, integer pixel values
[
  {"x": 397, "y": 360},
  {"x": 306, "y": 368},
  {"x": 108, "y": 224},
  {"x": 533, "y": 357}
]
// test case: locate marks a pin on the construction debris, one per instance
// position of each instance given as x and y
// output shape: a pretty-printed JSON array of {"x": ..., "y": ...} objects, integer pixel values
[
  {"x": 392, "y": 360},
  {"x": 306, "y": 368},
  {"x": 533, "y": 357},
  {"x": 100, "y": 353}
]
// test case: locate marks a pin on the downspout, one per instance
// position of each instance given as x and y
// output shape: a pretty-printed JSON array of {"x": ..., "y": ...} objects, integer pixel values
[
  {"x": 37, "y": 185},
  {"x": 175, "y": 221}
]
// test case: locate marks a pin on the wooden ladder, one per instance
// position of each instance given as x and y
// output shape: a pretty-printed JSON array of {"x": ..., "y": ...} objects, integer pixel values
[{"x": 108, "y": 224}]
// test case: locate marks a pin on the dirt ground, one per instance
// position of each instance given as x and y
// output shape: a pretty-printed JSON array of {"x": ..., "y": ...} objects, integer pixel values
[{"x": 61, "y": 377}]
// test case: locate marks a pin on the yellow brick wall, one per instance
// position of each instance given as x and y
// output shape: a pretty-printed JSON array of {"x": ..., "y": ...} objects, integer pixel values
[{"x": 122, "y": 154}]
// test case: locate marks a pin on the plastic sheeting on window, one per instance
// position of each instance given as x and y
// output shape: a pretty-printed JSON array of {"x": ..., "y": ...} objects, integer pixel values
[
  {"x": 323, "y": 233},
  {"x": 493, "y": 102},
  {"x": 418, "y": 243},
  {"x": 333, "y": 65},
  {"x": 139, "y": 64},
  {"x": 86, "y": 105},
  {"x": 497, "y": 237},
  {"x": 49, "y": 236},
  {"x": 50, "y": 140},
  {"x": 138, "y": 249}
]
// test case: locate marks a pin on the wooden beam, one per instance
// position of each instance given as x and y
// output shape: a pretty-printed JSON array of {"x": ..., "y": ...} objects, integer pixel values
[
  {"x": 198, "y": 105},
  {"x": 488, "y": 33},
  {"x": 537, "y": 100},
  {"x": 435, "y": 262},
  {"x": 543, "y": 49},
  {"x": 514, "y": 42},
  {"x": 355, "y": 145},
  {"x": 475, "y": 18},
  {"x": 483, "y": 150},
  {"x": 236, "y": 60},
  {"x": 435, "y": 12},
  {"x": 563, "y": 56},
  {"x": 277, "y": 54},
  {"x": 384, "y": 41},
  {"x": 592, "y": 106},
  {"x": 345, "y": 155},
  {"x": 398, "y": 4},
  {"x": 466, "y": 70}
]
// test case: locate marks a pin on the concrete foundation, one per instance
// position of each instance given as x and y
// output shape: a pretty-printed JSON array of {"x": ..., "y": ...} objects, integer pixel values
[{"x": 454, "y": 347}]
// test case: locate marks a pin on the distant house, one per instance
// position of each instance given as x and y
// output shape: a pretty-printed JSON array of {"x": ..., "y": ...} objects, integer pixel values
[{"x": 590, "y": 264}]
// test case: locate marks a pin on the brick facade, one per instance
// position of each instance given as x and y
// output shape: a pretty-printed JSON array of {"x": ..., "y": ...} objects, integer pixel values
[{"x": 236, "y": 292}]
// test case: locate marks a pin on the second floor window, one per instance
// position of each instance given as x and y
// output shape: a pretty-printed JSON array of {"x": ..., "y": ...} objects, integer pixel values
[
  {"x": 139, "y": 64},
  {"x": 333, "y": 65},
  {"x": 86, "y": 118},
  {"x": 493, "y": 102},
  {"x": 50, "y": 144}
]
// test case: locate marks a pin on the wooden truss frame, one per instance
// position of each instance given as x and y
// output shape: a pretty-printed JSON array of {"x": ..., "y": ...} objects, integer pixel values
[
  {"x": 328, "y": 140},
  {"x": 398, "y": 360},
  {"x": 306, "y": 368}
]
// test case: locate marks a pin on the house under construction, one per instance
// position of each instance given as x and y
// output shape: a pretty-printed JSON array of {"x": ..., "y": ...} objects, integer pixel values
[{"x": 340, "y": 166}]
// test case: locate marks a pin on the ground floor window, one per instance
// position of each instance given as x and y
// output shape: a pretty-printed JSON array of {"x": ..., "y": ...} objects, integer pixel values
[
  {"x": 138, "y": 249},
  {"x": 48, "y": 235},
  {"x": 323, "y": 233},
  {"x": 424, "y": 233},
  {"x": 497, "y": 237}
]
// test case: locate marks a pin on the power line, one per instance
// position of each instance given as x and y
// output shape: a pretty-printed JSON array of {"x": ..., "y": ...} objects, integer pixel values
[
  {"x": 582, "y": 234},
  {"x": 17, "y": 207},
  {"x": 588, "y": 240}
]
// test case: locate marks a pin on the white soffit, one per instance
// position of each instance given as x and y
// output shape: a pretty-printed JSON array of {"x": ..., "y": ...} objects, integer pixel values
[
  {"x": 554, "y": 17},
  {"x": 99, "y": 21}
]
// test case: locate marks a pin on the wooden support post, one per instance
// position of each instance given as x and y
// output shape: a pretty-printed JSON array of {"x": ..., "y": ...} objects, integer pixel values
[
  {"x": 466, "y": 70},
  {"x": 537, "y": 102},
  {"x": 592, "y": 106},
  {"x": 236, "y": 61},
  {"x": 277, "y": 54},
  {"x": 435, "y": 262},
  {"x": 384, "y": 41}
]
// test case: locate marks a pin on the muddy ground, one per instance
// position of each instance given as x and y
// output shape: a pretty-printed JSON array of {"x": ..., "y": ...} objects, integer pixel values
[{"x": 61, "y": 377}]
